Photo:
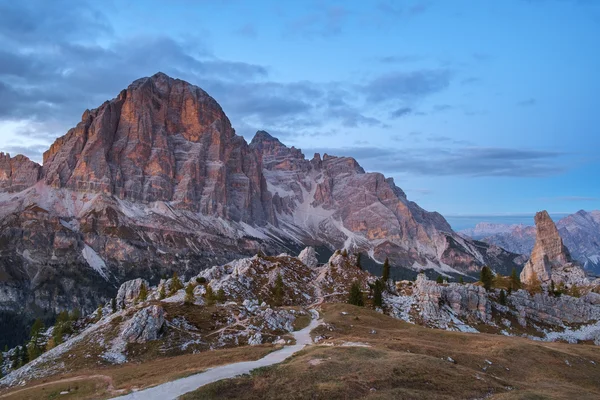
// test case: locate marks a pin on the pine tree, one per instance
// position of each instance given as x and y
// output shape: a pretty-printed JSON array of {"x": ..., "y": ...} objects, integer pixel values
[
  {"x": 34, "y": 348},
  {"x": 143, "y": 293},
  {"x": 175, "y": 284},
  {"x": 24, "y": 355},
  {"x": 439, "y": 279},
  {"x": 385, "y": 276},
  {"x": 502, "y": 298},
  {"x": 220, "y": 297},
  {"x": 461, "y": 280},
  {"x": 535, "y": 285},
  {"x": 358, "y": 265},
  {"x": 75, "y": 314},
  {"x": 189, "y": 294},
  {"x": 99, "y": 313},
  {"x": 356, "y": 297},
  {"x": 113, "y": 304},
  {"x": 209, "y": 295},
  {"x": 161, "y": 293},
  {"x": 377, "y": 294},
  {"x": 278, "y": 291},
  {"x": 486, "y": 277},
  {"x": 515, "y": 280}
]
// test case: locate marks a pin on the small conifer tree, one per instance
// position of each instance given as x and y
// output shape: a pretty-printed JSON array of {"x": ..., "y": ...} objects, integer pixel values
[
  {"x": 461, "y": 280},
  {"x": 113, "y": 305},
  {"x": 486, "y": 277},
  {"x": 515, "y": 280},
  {"x": 439, "y": 279},
  {"x": 378, "y": 294},
  {"x": 161, "y": 293},
  {"x": 209, "y": 295},
  {"x": 385, "y": 276},
  {"x": 356, "y": 297},
  {"x": 35, "y": 345},
  {"x": 220, "y": 297},
  {"x": 502, "y": 297},
  {"x": 189, "y": 294},
  {"x": 278, "y": 291},
  {"x": 358, "y": 265},
  {"x": 176, "y": 284},
  {"x": 143, "y": 295},
  {"x": 99, "y": 313},
  {"x": 345, "y": 253}
]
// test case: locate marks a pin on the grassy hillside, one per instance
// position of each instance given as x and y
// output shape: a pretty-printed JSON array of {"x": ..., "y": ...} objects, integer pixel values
[{"x": 410, "y": 362}]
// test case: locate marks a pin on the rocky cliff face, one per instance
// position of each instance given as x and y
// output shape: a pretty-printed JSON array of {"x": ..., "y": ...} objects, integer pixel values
[
  {"x": 18, "y": 173},
  {"x": 156, "y": 180},
  {"x": 550, "y": 259}
]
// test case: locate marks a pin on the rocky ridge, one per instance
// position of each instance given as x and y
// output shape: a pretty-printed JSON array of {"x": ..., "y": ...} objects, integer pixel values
[{"x": 251, "y": 313}]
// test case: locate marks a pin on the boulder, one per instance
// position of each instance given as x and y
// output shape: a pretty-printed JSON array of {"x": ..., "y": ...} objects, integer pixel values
[
  {"x": 129, "y": 291},
  {"x": 146, "y": 325},
  {"x": 309, "y": 257}
]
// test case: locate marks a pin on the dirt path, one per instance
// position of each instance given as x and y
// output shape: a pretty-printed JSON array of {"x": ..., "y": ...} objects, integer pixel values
[
  {"x": 174, "y": 389},
  {"x": 107, "y": 379}
]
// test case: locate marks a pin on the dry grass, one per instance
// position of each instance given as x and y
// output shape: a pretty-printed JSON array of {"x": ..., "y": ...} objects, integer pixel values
[
  {"x": 408, "y": 361},
  {"x": 135, "y": 375}
]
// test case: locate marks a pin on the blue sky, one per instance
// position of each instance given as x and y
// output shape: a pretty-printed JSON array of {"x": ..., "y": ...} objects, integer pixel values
[{"x": 474, "y": 107}]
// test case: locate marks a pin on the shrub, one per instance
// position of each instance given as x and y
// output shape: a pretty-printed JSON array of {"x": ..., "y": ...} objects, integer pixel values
[
  {"x": 200, "y": 280},
  {"x": 345, "y": 253},
  {"x": 221, "y": 296},
  {"x": 209, "y": 295}
]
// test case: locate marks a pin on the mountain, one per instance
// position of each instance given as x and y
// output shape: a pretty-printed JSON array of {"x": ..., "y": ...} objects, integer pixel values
[
  {"x": 156, "y": 181},
  {"x": 580, "y": 232}
]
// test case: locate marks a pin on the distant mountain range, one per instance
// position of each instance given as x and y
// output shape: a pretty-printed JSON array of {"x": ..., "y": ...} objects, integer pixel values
[{"x": 580, "y": 233}]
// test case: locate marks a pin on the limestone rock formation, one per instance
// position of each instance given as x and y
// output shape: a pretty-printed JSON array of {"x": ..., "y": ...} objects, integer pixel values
[
  {"x": 309, "y": 257},
  {"x": 550, "y": 259},
  {"x": 18, "y": 173},
  {"x": 129, "y": 291},
  {"x": 468, "y": 301},
  {"x": 144, "y": 326}
]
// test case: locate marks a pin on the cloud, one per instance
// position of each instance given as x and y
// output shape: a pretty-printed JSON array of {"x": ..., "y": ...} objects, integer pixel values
[
  {"x": 401, "y": 112},
  {"x": 399, "y": 59},
  {"x": 407, "y": 85},
  {"x": 323, "y": 20},
  {"x": 460, "y": 161},
  {"x": 248, "y": 30},
  {"x": 527, "y": 102},
  {"x": 570, "y": 198}
]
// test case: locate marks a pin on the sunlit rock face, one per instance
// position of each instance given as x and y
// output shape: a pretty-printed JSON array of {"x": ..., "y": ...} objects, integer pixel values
[
  {"x": 17, "y": 173},
  {"x": 550, "y": 259},
  {"x": 161, "y": 139}
]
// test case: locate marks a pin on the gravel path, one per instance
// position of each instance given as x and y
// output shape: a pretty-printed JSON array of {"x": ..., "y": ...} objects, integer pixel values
[{"x": 174, "y": 389}]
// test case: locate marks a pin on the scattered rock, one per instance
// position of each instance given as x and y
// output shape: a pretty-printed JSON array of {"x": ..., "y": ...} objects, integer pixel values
[{"x": 144, "y": 326}]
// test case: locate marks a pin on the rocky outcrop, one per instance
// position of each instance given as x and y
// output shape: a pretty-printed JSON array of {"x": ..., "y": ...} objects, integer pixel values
[
  {"x": 550, "y": 259},
  {"x": 18, "y": 173},
  {"x": 469, "y": 302},
  {"x": 580, "y": 233},
  {"x": 553, "y": 310},
  {"x": 146, "y": 325},
  {"x": 129, "y": 292},
  {"x": 309, "y": 257}
]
